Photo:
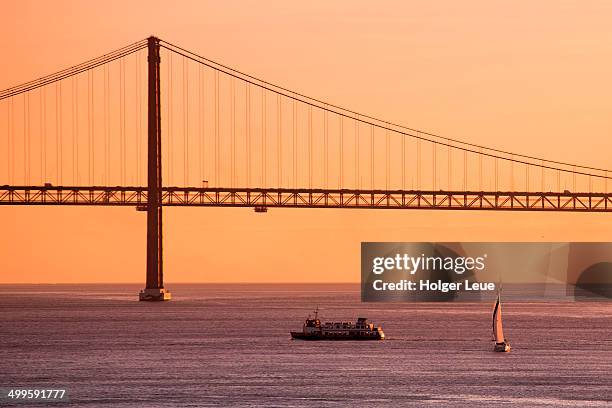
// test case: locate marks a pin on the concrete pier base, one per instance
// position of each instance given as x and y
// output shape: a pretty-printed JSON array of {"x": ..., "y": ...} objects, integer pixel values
[{"x": 154, "y": 295}]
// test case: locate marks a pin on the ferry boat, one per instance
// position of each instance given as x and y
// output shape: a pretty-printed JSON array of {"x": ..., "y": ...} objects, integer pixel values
[{"x": 313, "y": 329}]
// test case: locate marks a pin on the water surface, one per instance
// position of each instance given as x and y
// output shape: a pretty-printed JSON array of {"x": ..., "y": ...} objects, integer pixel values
[{"x": 216, "y": 345}]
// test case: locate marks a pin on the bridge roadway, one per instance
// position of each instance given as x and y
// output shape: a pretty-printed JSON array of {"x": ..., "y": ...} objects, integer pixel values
[{"x": 263, "y": 198}]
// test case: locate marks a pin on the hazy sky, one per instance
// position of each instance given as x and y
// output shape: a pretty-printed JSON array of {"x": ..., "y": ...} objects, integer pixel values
[{"x": 530, "y": 77}]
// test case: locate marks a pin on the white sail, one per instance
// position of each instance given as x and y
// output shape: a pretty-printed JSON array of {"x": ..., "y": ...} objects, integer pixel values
[{"x": 498, "y": 332}]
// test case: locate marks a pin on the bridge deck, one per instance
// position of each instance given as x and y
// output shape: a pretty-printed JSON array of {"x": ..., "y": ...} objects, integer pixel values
[{"x": 309, "y": 198}]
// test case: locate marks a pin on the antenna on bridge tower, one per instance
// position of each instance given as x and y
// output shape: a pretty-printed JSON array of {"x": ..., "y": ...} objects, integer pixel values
[{"x": 154, "y": 289}]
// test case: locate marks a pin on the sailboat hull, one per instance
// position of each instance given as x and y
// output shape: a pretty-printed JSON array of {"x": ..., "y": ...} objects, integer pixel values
[{"x": 502, "y": 347}]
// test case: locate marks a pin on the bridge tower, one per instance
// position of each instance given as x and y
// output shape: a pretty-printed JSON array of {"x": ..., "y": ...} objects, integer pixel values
[{"x": 154, "y": 290}]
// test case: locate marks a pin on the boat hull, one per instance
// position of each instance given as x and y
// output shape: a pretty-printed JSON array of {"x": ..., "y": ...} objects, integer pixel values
[
  {"x": 315, "y": 336},
  {"x": 501, "y": 347}
]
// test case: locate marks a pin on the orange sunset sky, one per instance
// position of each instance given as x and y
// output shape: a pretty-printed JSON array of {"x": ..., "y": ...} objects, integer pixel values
[{"x": 529, "y": 77}]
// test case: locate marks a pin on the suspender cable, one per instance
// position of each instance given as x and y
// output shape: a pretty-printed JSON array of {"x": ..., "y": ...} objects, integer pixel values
[
  {"x": 93, "y": 129},
  {"x": 111, "y": 168},
  {"x": 403, "y": 161},
  {"x": 496, "y": 175},
  {"x": 41, "y": 135},
  {"x": 57, "y": 134},
  {"x": 450, "y": 167},
  {"x": 203, "y": 150},
  {"x": 44, "y": 135},
  {"x": 465, "y": 170},
  {"x": 26, "y": 142},
  {"x": 168, "y": 125},
  {"x": 185, "y": 123},
  {"x": 387, "y": 159},
  {"x": 61, "y": 134},
  {"x": 341, "y": 120},
  {"x": 107, "y": 127},
  {"x": 356, "y": 151},
  {"x": 480, "y": 169},
  {"x": 527, "y": 177},
  {"x": 90, "y": 148},
  {"x": 418, "y": 163},
  {"x": 233, "y": 166},
  {"x": 279, "y": 143},
  {"x": 123, "y": 123},
  {"x": 372, "y": 157},
  {"x": 217, "y": 176},
  {"x": 12, "y": 137},
  {"x": 263, "y": 137},
  {"x": 120, "y": 126},
  {"x": 121, "y": 114},
  {"x": 326, "y": 146},
  {"x": 24, "y": 133},
  {"x": 170, "y": 119},
  {"x": 200, "y": 124},
  {"x": 73, "y": 124},
  {"x": 138, "y": 116},
  {"x": 435, "y": 167},
  {"x": 8, "y": 140},
  {"x": 542, "y": 177},
  {"x": 294, "y": 144},
  {"x": 310, "y": 172},
  {"x": 141, "y": 117},
  {"x": 248, "y": 132}
]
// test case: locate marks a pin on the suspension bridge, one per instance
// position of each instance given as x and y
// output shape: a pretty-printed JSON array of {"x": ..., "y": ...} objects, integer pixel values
[{"x": 92, "y": 134}]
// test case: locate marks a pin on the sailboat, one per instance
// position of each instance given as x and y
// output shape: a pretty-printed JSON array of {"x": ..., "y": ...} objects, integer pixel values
[{"x": 501, "y": 344}]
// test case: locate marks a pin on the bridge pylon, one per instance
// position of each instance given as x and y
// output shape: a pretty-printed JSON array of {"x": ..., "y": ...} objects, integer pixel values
[{"x": 154, "y": 290}]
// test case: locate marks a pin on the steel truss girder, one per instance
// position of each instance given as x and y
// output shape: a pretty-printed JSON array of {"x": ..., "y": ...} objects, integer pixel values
[{"x": 309, "y": 198}]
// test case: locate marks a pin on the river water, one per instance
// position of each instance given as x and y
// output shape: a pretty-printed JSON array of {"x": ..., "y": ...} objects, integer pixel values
[{"x": 229, "y": 345}]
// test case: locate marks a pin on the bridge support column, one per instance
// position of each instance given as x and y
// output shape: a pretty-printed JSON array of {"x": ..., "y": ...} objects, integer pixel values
[{"x": 154, "y": 290}]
